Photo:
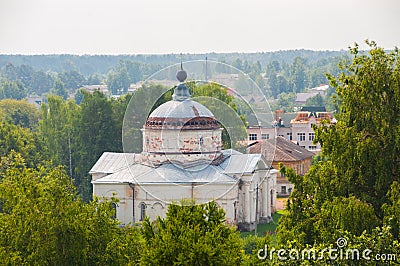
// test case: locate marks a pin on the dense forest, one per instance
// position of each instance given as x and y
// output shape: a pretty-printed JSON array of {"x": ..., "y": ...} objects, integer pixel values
[
  {"x": 48, "y": 215},
  {"x": 280, "y": 75}
]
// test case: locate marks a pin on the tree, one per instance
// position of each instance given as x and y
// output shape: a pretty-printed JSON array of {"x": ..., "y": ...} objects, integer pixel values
[
  {"x": 118, "y": 107},
  {"x": 72, "y": 80},
  {"x": 41, "y": 83},
  {"x": 191, "y": 234},
  {"x": 211, "y": 95},
  {"x": 361, "y": 155},
  {"x": 286, "y": 101},
  {"x": 118, "y": 82},
  {"x": 10, "y": 89},
  {"x": 57, "y": 128},
  {"x": 94, "y": 79},
  {"x": 392, "y": 210},
  {"x": 23, "y": 141},
  {"x": 297, "y": 74},
  {"x": 59, "y": 89},
  {"x": 96, "y": 134},
  {"x": 316, "y": 100},
  {"x": 43, "y": 222},
  {"x": 20, "y": 113}
]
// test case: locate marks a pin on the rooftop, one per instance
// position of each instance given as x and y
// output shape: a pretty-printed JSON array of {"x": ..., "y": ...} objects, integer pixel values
[
  {"x": 281, "y": 150},
  {"x": 127, "y": 168}
]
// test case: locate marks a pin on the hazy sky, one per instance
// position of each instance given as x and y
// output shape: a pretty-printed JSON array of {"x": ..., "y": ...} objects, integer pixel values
[{"x": 175, "y": 26}]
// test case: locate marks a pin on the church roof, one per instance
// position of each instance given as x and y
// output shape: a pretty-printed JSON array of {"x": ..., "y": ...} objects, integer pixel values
[
  {"x": 181, "y": 109},
  {"x": 125, "y": 168},
  {"x": 167, "y": 174},
  {"x": 240, "y": 163},
  {"x": 111, "y": 162}
]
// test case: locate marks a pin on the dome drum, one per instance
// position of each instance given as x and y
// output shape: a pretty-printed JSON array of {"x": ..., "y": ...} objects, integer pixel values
[{"x": 161, "y": 123}]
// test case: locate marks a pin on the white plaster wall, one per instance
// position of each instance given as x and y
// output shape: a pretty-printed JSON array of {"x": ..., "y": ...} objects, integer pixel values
[{"x": 156, "y": 197}]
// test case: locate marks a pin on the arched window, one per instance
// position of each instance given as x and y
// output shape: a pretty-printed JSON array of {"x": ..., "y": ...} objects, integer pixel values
[{"x": 142, "y": 211}]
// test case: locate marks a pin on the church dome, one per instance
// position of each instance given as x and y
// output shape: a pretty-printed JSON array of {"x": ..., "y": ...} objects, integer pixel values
[
  {"x": 184, "y": 109},
  {"x": 181, "y": 112},
  {"x": 181, "y": 131}
]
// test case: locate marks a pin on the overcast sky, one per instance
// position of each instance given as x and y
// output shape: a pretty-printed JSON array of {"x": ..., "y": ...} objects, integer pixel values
[{"x": 175, "y": 26}]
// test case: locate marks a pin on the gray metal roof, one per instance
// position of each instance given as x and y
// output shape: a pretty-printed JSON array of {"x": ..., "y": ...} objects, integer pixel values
[
  {"x": 167, "y": 174},
  {"x": 126, "y": 168},
  {"x": 181, "y": 109},
  {"x": 240, "y": 163},
  {"x": 111, "y": 162},
  {"x": 303, "y": 96}
]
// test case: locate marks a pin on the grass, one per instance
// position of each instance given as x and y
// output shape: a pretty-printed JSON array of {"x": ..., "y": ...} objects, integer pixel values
[{"x": 269, "y": 228}]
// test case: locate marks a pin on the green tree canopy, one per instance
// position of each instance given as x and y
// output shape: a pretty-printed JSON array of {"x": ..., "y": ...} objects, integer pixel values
[
  {"x": 191, "y": 234},
  {"x": 10, "y": 89},
  {"x": 361, "y": 155},
  {"x": 316, "y": 100},
  {"x": 43, "y": 222},
  {"x": 29, "y": 144},
  {"x": 19, "y": 112},
  {"x": 59, "y": 89}
]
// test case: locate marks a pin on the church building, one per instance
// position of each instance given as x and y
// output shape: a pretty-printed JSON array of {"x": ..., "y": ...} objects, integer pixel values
[{"x": 182, "y": 158}]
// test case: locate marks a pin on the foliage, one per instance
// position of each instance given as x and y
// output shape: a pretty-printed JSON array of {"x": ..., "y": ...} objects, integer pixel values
[
  {"x": 286, "y": 101},
  {"x": 10, "y": 89},
  {"x": 59, "y": 89},
  {"x": 392, "y": 210},
  {"x": 43, "y": 222},
  {"x": 118, "y": 82},
  {"x": 216, "y": 98},
  {"x": 191, "y": 235},
  {"x": 29, "y": 144},
  {"x": 316, "y": 100},
  {"x": 76, "y": 136},
  {"x": 96, "y": 133},
  {"x": 19, "y": 112},
  {"x": 56, "y": 127},
  {"x": 71, "y": 80},
  {"x": 348, "y": 189}
]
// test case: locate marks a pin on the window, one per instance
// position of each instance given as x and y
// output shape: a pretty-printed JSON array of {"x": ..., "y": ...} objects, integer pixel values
[
  {"x": 301, "y": 136},
  {"x": 264, "y": 136},
  {"x": 312, "y": 148},
  {"x": 311, "y": 136},
  {"x": 283, "y": 189},
  {"x": 290, "y": 190},
  {"x": 201, "y": 142},
  {"x": 302, "y": 168},
  {"x": 142, "y": 211},
  {"x": 289, "y": 136},
  {"x": 252, "y": 136}
]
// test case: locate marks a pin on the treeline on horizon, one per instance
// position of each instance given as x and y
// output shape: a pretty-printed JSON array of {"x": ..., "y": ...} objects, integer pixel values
[
  {"x": 279, "y": 75},
  {"x": 91, "y": 64}
]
